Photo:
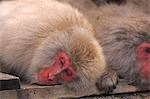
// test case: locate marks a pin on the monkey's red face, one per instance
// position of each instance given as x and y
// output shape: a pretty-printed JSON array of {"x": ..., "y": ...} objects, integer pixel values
[
  {"x": 143, "y": 56},
  {"x": 60, "y": 71}
]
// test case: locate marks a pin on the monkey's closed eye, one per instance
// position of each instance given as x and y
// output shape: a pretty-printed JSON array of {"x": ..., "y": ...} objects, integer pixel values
[
  {"x": 62, "y": 61},
  {"x": 147, "y": 50}
]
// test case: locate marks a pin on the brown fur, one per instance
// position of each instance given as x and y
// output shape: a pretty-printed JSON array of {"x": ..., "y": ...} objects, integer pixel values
[
  {"x": 120, "y": 29},
  {"x": 32, "y": 32}
]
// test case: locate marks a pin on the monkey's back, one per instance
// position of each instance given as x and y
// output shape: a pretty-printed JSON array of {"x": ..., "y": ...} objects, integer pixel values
[{"x": 26, "y": 23}]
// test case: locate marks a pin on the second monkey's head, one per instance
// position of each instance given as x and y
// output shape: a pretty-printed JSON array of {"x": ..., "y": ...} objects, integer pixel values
[{"x": 72, "y": 57}]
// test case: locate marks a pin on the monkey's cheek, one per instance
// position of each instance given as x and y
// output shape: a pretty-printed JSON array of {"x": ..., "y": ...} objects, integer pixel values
[
  {"x": 68, "y": 75},
  {"x": 146, "y": 71}
]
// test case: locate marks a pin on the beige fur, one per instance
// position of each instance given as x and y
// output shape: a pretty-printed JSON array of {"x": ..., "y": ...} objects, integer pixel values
[
  {"x": 32, "y": 32},
  {"x": 143, "y": 5},
  {"x": 120, "y": 29}
]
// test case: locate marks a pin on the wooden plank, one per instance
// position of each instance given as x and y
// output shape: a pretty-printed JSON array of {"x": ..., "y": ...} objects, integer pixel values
[
  {"x": 47, "y": 92},
  {"x": 8, "y": 94},
  {"x": 39, "y": 92},
  {"x": 60, "y": 92},
  {"x": 9, "y": 82},
  {"x": 129, "y": 95}
]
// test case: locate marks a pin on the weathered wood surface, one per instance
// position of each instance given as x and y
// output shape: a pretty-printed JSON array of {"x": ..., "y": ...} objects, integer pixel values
[
  {"x": 130, "y": 95},
  {"x": 123, "y": 91},
  {"x": 9, "y": 82},
  {"x": 60, "y": 92}
]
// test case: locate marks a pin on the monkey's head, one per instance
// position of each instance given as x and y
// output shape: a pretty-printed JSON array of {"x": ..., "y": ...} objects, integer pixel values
[{"x": 73, "y": 58}]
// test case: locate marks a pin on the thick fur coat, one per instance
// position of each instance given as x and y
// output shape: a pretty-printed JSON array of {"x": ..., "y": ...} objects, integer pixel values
[
  {"x": 31, "y": 33},
  {"x": 120, "y": 29}
]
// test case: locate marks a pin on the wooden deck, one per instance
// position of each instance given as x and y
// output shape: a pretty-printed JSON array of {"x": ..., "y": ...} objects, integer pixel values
[
  {"x": 123, "y": 91},
  {"x": 9, "y": 82}
]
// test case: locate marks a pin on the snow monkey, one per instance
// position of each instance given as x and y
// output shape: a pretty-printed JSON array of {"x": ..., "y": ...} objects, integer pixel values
[
  {"x": 47, "y": 42},
  {"x": 123, "y": 31}
]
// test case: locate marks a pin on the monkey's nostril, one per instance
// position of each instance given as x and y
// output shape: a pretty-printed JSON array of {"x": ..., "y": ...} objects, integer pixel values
[{"x": 51, "y": 78}]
